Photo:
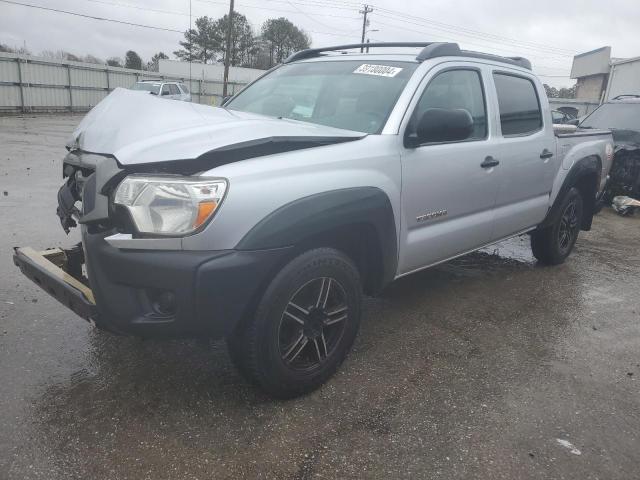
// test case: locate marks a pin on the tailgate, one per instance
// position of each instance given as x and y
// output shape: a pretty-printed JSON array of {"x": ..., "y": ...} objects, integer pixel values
[{"x": 45, "y": 270}]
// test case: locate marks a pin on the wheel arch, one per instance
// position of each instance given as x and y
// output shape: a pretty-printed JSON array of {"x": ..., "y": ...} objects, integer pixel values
[
  {"x": 358, "y": 221},
  {"x": 585, "y": 176}
]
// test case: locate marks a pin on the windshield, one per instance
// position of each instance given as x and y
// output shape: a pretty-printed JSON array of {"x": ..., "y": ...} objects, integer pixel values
[
  {"x": 344, "y": 94},
  {"x": 147, "y": 87},
  {"x": 618, "y": 116}
]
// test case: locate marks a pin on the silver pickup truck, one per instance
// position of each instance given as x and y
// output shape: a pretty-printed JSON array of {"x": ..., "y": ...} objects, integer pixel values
[{"x": 333, "y": 174}]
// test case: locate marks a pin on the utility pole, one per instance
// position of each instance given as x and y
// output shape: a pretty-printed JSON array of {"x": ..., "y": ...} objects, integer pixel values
[
  {"x": 365, "y": 23},
  {"x": 227, "y": 54}
]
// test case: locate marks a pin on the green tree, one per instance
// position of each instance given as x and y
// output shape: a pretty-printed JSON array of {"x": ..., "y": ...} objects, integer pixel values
[
  {"x": 155, "y": 61},
  {"x": 92, "y": 59},
  {"x": 243, "y": 41},
  {"x": 20, "y": 50},
  {"x": 552, "y": 92},
  {"x": 201, "y": 43},
  {"x": 567, "y": 92},
  {"x": 132, "y": 60},
  {"x": 114, "y": 62},
  {"x": 282, "y": 38}
]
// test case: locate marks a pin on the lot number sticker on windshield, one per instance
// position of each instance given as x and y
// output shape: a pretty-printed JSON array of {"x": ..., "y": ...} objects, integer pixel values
[{"x": 379, "y": 70}]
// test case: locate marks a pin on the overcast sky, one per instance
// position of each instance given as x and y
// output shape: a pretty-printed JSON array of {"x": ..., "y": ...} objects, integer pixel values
[{"x": 548, "y": 32}]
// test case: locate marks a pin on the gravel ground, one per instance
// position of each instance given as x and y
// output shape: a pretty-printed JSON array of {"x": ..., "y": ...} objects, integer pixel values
[{"x": 484, "y": 367}]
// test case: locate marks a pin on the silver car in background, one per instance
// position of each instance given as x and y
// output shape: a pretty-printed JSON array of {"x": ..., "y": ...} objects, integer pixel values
[{"x": 168, "y": 90}]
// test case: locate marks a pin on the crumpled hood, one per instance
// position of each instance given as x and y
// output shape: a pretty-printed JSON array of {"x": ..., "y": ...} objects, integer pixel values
[{"x": 137, "y": 127}]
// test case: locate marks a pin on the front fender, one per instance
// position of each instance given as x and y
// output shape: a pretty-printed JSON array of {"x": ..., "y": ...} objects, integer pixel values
[{"x": 313, "y": 215}]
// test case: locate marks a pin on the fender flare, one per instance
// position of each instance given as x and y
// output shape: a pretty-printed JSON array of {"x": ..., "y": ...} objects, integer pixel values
[
  {"x": 316, "y": 214},
  {"x": 585, "y": 166}
]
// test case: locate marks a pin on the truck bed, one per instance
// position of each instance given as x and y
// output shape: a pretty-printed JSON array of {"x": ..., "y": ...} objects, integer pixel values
[{"x": 566, "y": 131}]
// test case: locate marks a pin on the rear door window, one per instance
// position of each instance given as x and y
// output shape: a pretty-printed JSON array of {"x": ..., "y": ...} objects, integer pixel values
[
  {"x": 165, "y": 89},
  {"x": 173, "y": 88},
  {"x": 520, "y": 112}
]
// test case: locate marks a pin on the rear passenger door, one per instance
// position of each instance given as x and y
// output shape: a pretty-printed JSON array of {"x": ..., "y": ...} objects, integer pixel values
[
  {"x": 448, "y": 188},
  {"x": 526, "y": 152}
]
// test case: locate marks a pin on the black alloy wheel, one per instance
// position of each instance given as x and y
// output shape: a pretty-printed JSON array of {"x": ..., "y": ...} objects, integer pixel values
[
  {"x": 569, "y": 227},
  {"x": 304, "y": 325},
  {"x": 313, "y": 323},
  {"x": 552, "y": 244}
]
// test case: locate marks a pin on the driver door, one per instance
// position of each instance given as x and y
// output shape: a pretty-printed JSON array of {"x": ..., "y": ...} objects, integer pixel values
[{"x": 449, "y": 188}]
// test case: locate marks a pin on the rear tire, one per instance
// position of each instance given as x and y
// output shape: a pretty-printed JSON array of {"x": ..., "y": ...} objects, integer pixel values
[
  {"x": 304, "y": 325},
  {"x": 553, "y": 244}
]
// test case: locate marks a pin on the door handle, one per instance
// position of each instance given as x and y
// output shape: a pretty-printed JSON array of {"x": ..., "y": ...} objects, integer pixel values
[
  {"x": 489, "y": 162},
  {"x": 546, "y": 154}
]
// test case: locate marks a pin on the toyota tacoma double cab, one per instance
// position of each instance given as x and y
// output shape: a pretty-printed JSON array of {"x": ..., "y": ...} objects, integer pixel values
[{"x": 266, "y": 220}]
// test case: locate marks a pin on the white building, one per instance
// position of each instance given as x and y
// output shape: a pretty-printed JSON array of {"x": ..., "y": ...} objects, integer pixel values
[
  {"x": 212, "y": 72},
  {"x": 600, "y": 77}
]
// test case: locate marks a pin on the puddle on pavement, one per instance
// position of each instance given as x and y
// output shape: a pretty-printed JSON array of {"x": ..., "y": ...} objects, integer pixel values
[{"x": 511, "y": 253}]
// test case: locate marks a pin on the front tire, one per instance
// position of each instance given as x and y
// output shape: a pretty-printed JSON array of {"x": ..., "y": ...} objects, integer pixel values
[
  {"x": 552, "y": 245},
  {"x": 304, "y": 326}
]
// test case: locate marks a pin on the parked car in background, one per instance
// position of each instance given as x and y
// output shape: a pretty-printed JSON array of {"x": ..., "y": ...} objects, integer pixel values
[
  {"x": 167, "y": 90},
  {"x": 331, "y": 176},
  {"x": 560, "y": 117},
  {"x": 622, "y": 116}
]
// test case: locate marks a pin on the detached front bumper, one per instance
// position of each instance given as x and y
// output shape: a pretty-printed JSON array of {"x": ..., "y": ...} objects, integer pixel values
[{"x": 46, "y": 270}]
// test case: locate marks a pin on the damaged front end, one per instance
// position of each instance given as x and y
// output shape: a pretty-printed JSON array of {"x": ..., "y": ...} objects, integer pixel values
[
  {"x": 61, "y": 272},
  {"x": 625, "y": 173}
]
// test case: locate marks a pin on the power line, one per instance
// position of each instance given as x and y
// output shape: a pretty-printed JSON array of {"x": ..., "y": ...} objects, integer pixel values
[
  {"x": 477, "y": 33},
  {"x": 477, "y": 37},
  {"x": 448, "y": 28},
  {"x": 318, "y": 3},
  {"x": 244, "y": 5},
  {"x": 468, "y": 30},
  {"x": 309, "y": 16},
  {"x": 137, "y": 7},
  {"x": 91, "y": 16},
  {"x": 492, "y": 45},
  {"x": 406, "y": 29}
]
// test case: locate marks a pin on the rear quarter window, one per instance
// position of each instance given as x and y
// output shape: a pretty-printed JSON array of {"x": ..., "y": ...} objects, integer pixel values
[{"x": 520, "y": 112}]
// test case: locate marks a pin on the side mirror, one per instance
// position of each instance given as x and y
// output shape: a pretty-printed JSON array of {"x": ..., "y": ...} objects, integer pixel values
[
  {"x": 573, "y": 121},
  {"x": 444, "y": 125}
]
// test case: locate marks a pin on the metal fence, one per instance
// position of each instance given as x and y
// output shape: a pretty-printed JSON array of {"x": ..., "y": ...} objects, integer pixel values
[{"x": 32, "y": 84}]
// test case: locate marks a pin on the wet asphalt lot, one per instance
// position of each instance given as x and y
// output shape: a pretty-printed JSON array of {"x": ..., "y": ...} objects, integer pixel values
[{"x": 479, "y": 368}]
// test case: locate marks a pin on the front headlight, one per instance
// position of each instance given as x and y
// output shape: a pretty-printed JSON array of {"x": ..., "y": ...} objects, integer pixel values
[{"x": 170, "y": 205}]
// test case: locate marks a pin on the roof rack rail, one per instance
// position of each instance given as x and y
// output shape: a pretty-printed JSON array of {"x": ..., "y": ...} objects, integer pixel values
[
  {"x": 429, "y": 50},
  {"x": 518, "y": 61},
  {"x": 314, "y": 52},
  {"x": 625, "y": 95}
]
